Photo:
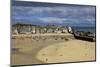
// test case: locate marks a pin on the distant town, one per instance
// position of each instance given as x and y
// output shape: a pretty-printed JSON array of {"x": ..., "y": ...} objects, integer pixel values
[
  {"x": 36, "y": 29},
  {"x": 51, "y": 30}
]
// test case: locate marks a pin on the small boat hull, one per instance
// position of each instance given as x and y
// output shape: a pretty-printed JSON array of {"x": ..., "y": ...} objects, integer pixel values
[{"x": 83, "y": 37}]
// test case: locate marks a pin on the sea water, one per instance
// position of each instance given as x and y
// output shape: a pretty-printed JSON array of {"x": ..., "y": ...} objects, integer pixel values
[{"x": 85, "y": 29}]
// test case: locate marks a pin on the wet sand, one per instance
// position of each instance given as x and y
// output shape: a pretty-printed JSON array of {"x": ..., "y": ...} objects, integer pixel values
[{"x": 37, "y": 51}]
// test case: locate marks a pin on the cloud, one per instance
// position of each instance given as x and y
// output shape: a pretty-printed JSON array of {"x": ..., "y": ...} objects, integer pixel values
[
  {"x": 52, "y": 20},
  {"x": 63, "y": 11},
  {"x": 72, "y": 15}
]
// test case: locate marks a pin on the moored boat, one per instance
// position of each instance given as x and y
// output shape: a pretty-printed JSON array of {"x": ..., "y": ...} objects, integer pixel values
[{"x": 88, "y": 36}]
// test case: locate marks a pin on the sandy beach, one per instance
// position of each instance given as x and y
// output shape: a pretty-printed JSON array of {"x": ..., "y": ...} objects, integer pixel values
[
  {"x": 71, "y": 51},
  {"x": 51, "y": 50}
]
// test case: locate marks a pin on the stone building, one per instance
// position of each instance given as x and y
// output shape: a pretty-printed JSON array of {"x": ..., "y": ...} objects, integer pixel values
[{"x": 23, "y": 28}]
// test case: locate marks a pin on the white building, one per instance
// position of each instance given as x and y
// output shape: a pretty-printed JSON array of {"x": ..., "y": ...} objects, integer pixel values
[{"x": 70, "y": 30}]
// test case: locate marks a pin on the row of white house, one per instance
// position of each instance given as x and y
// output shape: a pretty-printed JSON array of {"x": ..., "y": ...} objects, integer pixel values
[{"x": 31, "y": 29}]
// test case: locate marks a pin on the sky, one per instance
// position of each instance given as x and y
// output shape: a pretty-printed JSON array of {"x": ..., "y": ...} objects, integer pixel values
[{"x": 51, "y": 13}]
